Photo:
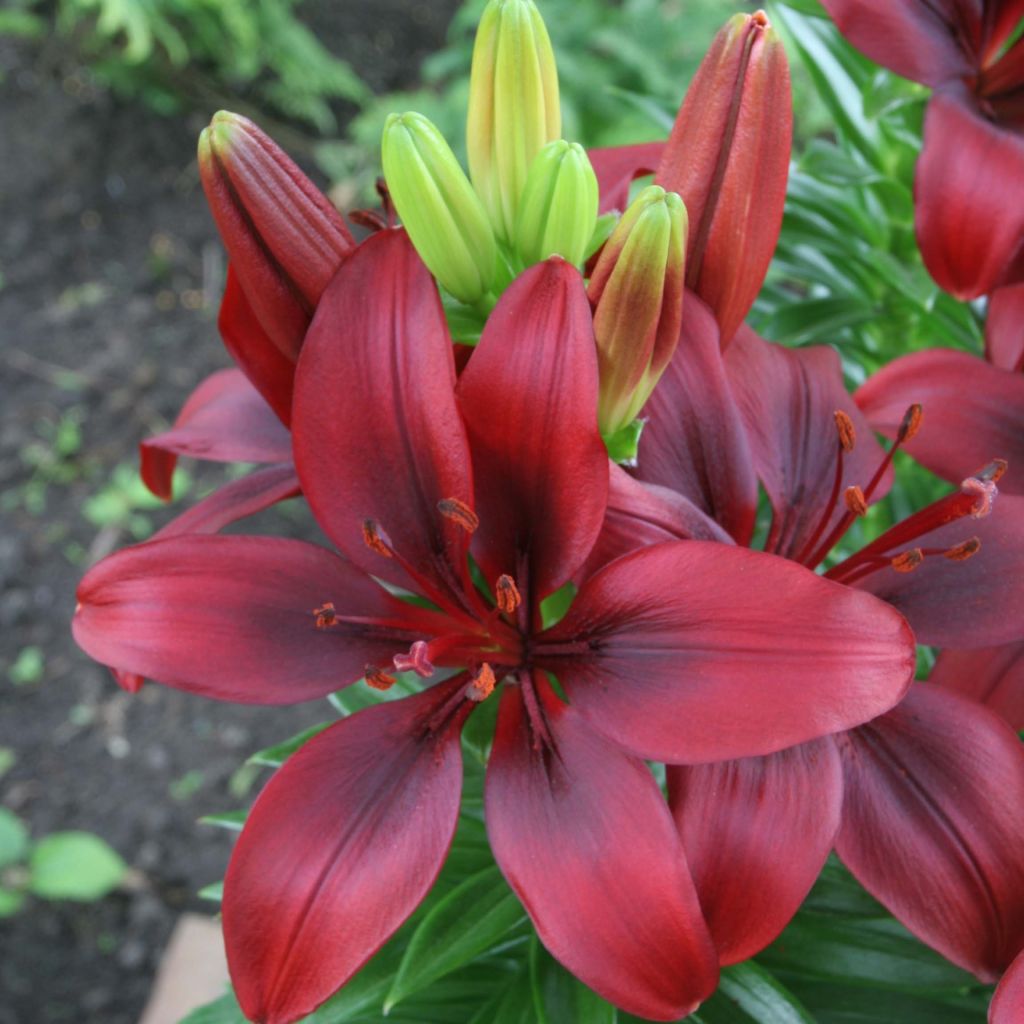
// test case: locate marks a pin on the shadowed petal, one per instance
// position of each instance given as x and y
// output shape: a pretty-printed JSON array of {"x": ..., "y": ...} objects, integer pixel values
[
  {"x": 788, "y": 397},
  {"x": 968, "y": 217},
  {"x": 684, "y": 652},
  {"x": 1004, "y": 328},
  {"x": 756, "y": 833},
  {"x": 377, "y": 434},
  {"x": 932, "y": 825},
  {"x": 1008, "y": 1003},
  {"x": 341, "y": 846},
  {"x": 694, "y": 441},
  {"x": 585, "y": 839},
  {"x": 529, "y": 399},
  {"x": 224, "y": 420},
  {"x": 617, "y": 166},
  {"x": 993, "y": 676},
  {"x": 973, "y": 412},
  {"x": 233, "y": 618}
]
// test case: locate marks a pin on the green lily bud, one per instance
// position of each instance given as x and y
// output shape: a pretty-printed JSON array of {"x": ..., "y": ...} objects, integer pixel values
[
  {"x": 513, "y": 106},
  {"x": 438, "y": 207},
  {"x": 558, "y": 207},
  {"x": 637, "y": 293}
]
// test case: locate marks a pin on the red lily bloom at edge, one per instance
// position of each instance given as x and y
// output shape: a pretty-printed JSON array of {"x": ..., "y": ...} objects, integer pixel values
[{"x": 682, "y": 652}]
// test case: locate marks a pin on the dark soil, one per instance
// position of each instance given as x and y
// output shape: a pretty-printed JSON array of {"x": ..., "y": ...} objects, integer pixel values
[{"x": 109, "y": 279}]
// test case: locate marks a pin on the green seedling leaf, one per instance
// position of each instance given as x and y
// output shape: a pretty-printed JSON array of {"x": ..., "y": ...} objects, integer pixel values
[
  {"x": 11, "y": 902},
  {"x": 13, "y": 838},
  {"x": 74, "y": 866},
  {"x": 27, "y": 667}
]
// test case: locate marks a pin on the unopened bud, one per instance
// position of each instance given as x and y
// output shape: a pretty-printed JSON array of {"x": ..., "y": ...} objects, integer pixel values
[
  {"x": 637, "y": 293},
  {"x": 558, "y": 207},
  {"x": 438, "y": 207},
  {"x": 513, "y": 106},
  {"x": 284, "y": 239},
  {"x": 728, "y": 157}
]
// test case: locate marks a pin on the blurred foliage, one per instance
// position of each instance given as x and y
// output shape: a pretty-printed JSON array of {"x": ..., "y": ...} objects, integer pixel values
[{"x": 165, "y": 50}]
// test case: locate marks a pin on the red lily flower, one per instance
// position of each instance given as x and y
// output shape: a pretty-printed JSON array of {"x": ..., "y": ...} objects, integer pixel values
[
  {"x": 922, "y": 804},
  {"x": 679, "y": 652},
  {"x": 970, "y": 223},
  {"x": 993, "y": 676},
  {"x": 1007, "y": 1005},
  {"x": 1004, "y": 328}
]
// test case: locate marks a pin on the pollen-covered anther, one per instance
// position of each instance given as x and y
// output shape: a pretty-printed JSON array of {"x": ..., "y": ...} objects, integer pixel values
[
  {"x": 325, "y": 615},
  {"x": 376, "y": 539},
  {"x": 961, "y": 552},
  {"x": 856, "y": 503},
  {"x": 459, "y": 512},
  {"x": 417, "y": 660},
  {"x": 482, "y": 685},
  {"x": 907, "y": 561},
  {"x": 378, "y": 678},
  {"x": 506, "y": 594},
  {"x": 984, "y": 492},
  {"x": 845, "y": 428},
  {"x": 910, "y": 424}
]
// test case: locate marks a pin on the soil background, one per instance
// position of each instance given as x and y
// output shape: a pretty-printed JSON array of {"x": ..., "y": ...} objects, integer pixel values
[{"x": 110, "y": 274}]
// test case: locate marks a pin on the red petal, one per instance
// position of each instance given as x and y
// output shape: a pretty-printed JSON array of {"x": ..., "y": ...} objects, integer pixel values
[
  {"x": 341, "y": 846},
  {"x": 1004, "y": 328},
  {"x": 757, "y": 833},
  {"x": 975, "y": 603},
  {"x": 617, "y": 166},
  {"x": 973, "y": 412},
  {"x": 929, "y": 42},
  {"x": 377, "y": 433},
  {"x": 223, "y": 420},
  {"x": 529, "y": 399},
  {"x": 233, "y": 617},
  {"x": 640, "y": 514},
  {"x": 694, "y": 441},
  {"x": 788, "y": 397},
  {"x": 968, "y": 214},
  {"x": 932, "y": 825},
  {"x": 993, "y": 676},
  {"x": 683, "y": 652},
  {"x": 236, "y": 500},
  {"x": 584, "y": 838},
  {"x": 1008, "y": 1003},
  {"x": 271, "y": 372}
]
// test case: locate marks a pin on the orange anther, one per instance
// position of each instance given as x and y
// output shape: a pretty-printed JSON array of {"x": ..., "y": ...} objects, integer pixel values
[
  {"x": 325, "y": 616},
  {"x": 855, "y": 501},
  {"x": 459, "y": 512},
  {"x": 375, "y": 539},
  {"x": 506, "y": 594},
  {"x": 961, "y": 552},
  {"x": 847, "y": 432},
  {"x": 482, "y": 685},
  {"x": 908, "y": 561},
  {"x": 378, "y": 678},
  {"x": 993, "y": 472},
  {"x": 911, "y": 423}
]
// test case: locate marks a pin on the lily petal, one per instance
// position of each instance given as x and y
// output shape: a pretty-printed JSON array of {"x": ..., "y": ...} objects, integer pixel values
[
  {"x": 973, "y": 412},
  {"x": 788, "y": 398},
  {"x": 1004, "y": 328},
  {"x": 234, "y": 618},
  {"x": 224, "y": 420},
  {"x": 969, "y": 221},
  {"x": 377, "y": 434},
  {"x": 694, "y": 441},
  {"x": 682, "y": 652},
  {"x": 529, "y": 400},
  {"x": 617, "y": 166},
  {"x": 1007, "y": 1005},
  {"x": 585, "y": 839},
  {"x": 338, "y": 850},
  {"x": 932, "y": 825},
  {"x": 993, "y": 676},
  {"x": 756, "y": 833}
]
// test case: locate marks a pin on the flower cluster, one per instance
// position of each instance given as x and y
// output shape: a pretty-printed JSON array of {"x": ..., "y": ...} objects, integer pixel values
[{"x": 466, "y": 477}]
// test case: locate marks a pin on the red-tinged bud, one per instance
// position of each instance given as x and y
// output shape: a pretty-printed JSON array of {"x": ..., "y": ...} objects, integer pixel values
[
  {"x": 728, "y": 157},
  {"x": 284, "y": 238},
  {"x": 637, "y": 294}
]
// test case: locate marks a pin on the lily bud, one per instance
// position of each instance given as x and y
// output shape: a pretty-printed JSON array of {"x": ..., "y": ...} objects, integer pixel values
[
  {"x": 558, "y": 207},
  {"x": 637, "y": 294},
  {"x": 513, "y": 106},
  {"x": 728, "y": 157},
  {"x": 437, "y": 205},
  {"x": 284, "y": 239}
]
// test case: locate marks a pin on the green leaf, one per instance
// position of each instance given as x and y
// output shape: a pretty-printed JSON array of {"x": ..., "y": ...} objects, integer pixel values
[
  {"x": 233, "y": 821},
  {"x": 750, "y": 990},
  {"x": 558, "y": 998},
  {"x": 74, "y": 866},
  {"x": 11, "y": 902},
  {"x": 222, "y": 1011},
  {"x": 13, "y": 838},
  {"x": 476, "y": 916},
  {"x": 275, "y": 756},
  {"x": 213, "y": 892}
]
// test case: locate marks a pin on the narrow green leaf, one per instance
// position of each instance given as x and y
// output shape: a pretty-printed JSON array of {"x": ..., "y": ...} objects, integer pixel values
[
  {"x": 559, "y": 998},
  {"x": 74, "y": 866},
  {"x": 213, "y": 892},
  {"x": 233, "y": 821},
  {"x": 13, "y": 838},
  {"x": 275, "y": 756}
]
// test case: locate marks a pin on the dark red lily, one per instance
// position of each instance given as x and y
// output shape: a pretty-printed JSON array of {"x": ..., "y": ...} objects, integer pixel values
[
  {"x": 922, "y": 804},
  {"x": 681, "y": 652},
  {"x": 1004, "y": 328},
  {"x": 993, "y": 676},
  {"x": 968, "y": 214},
  {"x": 1007, "y": 1005}
]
